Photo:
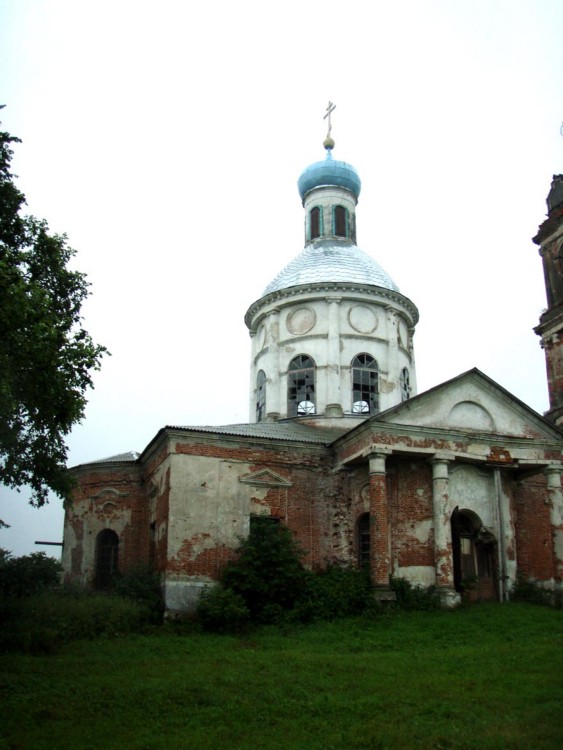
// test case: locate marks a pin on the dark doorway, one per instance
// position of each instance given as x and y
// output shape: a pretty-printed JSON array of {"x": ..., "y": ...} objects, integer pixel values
[
  {"x": 474, "y": 553},
  {"x": 107, "y": 558}
]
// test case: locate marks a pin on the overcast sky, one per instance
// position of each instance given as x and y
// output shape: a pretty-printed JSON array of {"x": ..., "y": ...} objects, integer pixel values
[{"x": 165, "y": 138}]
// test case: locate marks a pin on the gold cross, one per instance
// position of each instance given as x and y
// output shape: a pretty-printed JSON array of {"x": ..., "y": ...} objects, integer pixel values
[{"x": 331, "y": 107}]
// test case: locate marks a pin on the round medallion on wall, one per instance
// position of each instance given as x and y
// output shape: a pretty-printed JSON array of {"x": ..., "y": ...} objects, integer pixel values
[
  {"x": 403, "y": 334},
  {"x": 301, "y": 321},
  {"x": 362, "y": 319}
]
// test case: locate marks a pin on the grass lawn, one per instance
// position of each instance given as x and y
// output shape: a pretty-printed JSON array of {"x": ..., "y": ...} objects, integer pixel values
[{"x": 489, "y": 676}]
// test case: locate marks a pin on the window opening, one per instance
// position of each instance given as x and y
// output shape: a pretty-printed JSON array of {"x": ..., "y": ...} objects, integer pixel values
[
  {"x": 107, "y": 558},
  {"x": 258, "y": 521},
  {"x": 315, "y": 222},
  {"x": 340, "y": 221},
  {"x": 301, "y": 386},
  {"x": 364, "y": 541},
  {"x": 365, "y": 385},
  {"x": 405, "y": 384},
  {"x": 260, "y": 395}
]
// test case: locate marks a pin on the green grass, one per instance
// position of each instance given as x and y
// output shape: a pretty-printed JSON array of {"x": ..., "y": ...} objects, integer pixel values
[{"x": 485, "y": 677}]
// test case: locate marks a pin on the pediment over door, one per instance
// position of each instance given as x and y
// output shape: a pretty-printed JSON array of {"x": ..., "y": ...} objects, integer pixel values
[{"x": 265, "y": 478}]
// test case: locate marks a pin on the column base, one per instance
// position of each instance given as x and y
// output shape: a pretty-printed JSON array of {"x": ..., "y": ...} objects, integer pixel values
[
  {"x": 449, "y": 597},
  {"x": 334, "y": 410}
]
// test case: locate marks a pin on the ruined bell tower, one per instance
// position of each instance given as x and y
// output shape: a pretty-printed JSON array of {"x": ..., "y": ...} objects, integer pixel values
[{"x": 550, "y": 328}]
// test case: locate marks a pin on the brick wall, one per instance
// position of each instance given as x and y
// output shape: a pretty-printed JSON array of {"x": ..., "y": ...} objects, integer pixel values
[{"x": 533, "y": 530}]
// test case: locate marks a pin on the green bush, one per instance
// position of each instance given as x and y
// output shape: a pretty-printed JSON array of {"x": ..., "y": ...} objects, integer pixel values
[
  {"x": 141, "y": 585},
  {"x": 27, "y": 575},
  {"x": 528, "y": 591},
  {"x": 336, "y": 591},
  {"x": 222, "y": 610},
  {"x": 45, "y": 621},
  {"x": 414, "y": 597},
  {"x": 268, "y": 573}
]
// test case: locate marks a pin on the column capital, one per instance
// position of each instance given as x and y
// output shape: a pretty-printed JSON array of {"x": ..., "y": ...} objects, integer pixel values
[
  {"x": 377, "y": 463},
  {"x": 553, "y": 476},
  {"x": 439, "y": 460}
]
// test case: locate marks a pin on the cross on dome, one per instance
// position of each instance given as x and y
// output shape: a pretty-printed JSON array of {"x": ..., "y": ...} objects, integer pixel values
[{"x": 328, "y": 142}]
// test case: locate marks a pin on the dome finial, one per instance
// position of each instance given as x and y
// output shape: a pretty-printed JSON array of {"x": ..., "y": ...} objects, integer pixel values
[{"x": 328, "y": 142}]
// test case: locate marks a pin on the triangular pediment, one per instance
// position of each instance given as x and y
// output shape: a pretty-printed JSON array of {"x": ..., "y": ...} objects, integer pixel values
[
  {"x": 471, "y": 402},
  {"x": 265, "y": 478}
]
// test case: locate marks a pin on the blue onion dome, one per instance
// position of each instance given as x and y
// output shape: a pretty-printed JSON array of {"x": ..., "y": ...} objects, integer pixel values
[{"x": 329, "y": 172}]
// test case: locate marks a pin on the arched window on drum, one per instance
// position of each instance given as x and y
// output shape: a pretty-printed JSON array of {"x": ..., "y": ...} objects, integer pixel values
[
  {"x": 365, "y": 384},
  {"x": 301, "y": 386}
]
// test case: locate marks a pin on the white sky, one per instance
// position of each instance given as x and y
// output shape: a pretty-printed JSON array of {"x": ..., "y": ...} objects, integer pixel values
[{"x": 165, "y": 138}]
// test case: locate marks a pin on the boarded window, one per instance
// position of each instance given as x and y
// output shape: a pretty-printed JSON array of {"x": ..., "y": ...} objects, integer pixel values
[
  {"x": 315, "y": 222},
  {"x": 364, "y": 541},
  {"x": 340, "y": 221},
  {"x": 301, "y": 386}
]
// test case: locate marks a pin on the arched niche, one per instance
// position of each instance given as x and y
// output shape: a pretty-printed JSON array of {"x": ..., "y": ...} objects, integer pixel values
[{"x": 471, "y": 416}]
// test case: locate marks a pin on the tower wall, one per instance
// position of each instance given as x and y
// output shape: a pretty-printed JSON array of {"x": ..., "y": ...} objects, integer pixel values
[
  {"x": 332, "y": 325},
  {"x": 550, "y": 328}
]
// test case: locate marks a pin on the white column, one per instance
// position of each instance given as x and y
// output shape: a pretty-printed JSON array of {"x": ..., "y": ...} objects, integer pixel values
[
  {"x": 443, "y": 549},
  {"x": 333, "y": 395},
  {"x": 555, "y": 501},
  {"x": 273, "y": 382}
]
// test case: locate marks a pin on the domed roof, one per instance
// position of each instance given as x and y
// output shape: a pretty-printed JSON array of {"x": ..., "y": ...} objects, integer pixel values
[
  {"x": 329, "y": 172},
  {"x": 331, "y": 261}
]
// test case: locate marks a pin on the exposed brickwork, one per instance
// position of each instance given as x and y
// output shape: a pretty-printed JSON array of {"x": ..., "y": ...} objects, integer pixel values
[
  {"x": 209, "y": 562},
  {"x": 156, "y": 506},
  {"x": 411, "y": 514},
  {"x": 533, "y": 530},
  {"x": 107, "y": 497},
  {"x": 379, "y": 512}
]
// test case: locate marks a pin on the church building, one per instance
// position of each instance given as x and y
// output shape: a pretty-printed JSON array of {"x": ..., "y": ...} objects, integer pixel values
[{"x": 458, "y": 487}]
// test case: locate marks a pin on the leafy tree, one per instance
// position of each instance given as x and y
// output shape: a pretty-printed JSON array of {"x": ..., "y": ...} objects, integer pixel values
[
  {"x": 46, "y": 357},
  {"x": 24, "y": 576}
]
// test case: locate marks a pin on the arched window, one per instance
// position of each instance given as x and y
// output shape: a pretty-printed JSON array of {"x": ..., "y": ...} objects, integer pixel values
[
  {"x": 340, "y": 220},
  {"x": 315, "y": 223},
  {"x": 260, "y": 395},
  {"x": 365, "y": 385},
  {"x": 301, "y": 386},
  {"x": 405, "y": 384},
  {"x": 107, "y": 558},
  {"x": 363, "y": 540}
]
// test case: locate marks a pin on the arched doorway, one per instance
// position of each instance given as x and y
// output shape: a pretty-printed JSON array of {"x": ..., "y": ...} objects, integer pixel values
[
  {"x": 107, "y": 558},
  {"x": 474, "y": 555}
]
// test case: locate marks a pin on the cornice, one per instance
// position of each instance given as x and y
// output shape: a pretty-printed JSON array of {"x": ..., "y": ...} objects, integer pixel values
[{"x": 330, "y": 287}]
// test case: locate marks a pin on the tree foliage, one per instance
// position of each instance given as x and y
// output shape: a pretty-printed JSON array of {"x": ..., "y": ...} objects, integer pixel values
[
  {"x": 27, "y": 575},
  {"x": 46, "y": 357}
]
